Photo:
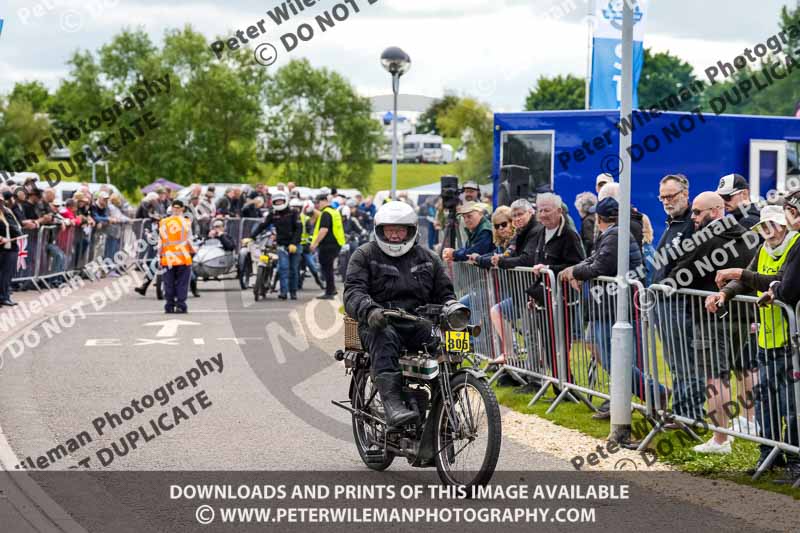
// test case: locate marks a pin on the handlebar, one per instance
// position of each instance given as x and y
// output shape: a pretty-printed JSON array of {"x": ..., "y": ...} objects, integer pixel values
[{"x": 401, "y": 315}]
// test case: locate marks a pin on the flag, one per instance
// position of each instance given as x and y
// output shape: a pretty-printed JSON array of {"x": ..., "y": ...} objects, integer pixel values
[
  {"x": 22, "y": 243},
  {"x": 1, "y": 26},
  {"x": 606, "y": 84}
]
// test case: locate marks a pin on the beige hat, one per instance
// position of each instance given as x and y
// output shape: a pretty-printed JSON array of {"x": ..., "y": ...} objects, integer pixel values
[
  {"x": 469, "y": 207},
  {"x": 771, "y": 213}
]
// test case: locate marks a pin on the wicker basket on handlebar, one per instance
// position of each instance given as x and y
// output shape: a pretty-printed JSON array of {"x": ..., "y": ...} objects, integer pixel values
[{"x": 351, "y": 339}]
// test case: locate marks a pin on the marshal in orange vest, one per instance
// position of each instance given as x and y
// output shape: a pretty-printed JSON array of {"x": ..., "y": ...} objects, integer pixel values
[{"x": 176, "y": 248}]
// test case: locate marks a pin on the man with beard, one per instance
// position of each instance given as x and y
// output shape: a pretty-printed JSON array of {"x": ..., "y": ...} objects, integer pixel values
[{"x": 719, "y": 237}]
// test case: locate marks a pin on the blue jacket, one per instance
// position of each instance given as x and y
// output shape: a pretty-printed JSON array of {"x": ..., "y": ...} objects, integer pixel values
[{"x": 478, "y": 242}]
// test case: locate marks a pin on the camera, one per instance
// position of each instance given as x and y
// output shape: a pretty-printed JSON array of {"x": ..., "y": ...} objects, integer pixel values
[{"x": 450, "y": 192}]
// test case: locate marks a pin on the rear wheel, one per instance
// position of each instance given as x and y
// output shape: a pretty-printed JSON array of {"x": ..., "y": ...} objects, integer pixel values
[
  {"x": 368, "y": 434},
  {"x": 468, "y": 435}
]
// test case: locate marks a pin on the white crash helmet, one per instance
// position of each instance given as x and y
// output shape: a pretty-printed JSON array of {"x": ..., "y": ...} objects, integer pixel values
[
  {"x": 345, "y": 211},
  {"x": 396, "y": 214},
  {"x": 278, "y": 196},
  {"x": 296, "y": 202},
  {"x": 308, "y": 207}
]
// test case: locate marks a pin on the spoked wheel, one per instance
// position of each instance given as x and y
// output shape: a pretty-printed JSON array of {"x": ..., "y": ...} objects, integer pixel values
[
  {"x": 367, "y": 432},
  {"x": 261, "y": 282},
  {"x": 468, "y": 437},
  {"x": 245, "y": 271}
]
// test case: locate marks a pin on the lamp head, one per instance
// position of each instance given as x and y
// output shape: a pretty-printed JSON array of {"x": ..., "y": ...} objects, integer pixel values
[{"x": 395, "y": 61}]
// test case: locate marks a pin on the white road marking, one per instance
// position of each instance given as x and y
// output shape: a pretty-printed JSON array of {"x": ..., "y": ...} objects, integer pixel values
[
  {"x": 192, "y": 312},
  {"x": 169, "y": 328}
]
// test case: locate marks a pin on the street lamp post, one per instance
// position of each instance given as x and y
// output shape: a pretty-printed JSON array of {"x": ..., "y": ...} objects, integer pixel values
[{"x": 397, "y": 63}]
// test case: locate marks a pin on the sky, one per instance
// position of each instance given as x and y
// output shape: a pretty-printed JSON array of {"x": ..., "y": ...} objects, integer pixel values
[{"x": 494, "y": 50}]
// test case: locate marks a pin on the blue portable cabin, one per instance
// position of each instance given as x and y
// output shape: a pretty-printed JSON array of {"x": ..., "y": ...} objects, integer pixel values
[{"x": 553, "y": 144}]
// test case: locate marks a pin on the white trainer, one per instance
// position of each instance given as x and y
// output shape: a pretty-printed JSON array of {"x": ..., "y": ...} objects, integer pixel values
[
  {"x": 712, "y": 447},
  {"x": 743, "y": 425}
]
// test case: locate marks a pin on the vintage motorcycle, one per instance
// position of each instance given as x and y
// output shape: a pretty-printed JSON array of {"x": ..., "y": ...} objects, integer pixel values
[
  {"x": 458, "y": 429},
  {"x": 267, "y": 270}
]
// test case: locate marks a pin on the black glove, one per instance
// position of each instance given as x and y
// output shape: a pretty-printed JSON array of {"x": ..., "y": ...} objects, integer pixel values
[{"x": 375, "y": 318}]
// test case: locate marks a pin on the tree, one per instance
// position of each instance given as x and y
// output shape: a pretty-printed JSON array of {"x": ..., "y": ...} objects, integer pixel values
[
  {"x": 473, "y": 122},
  {"x": 427, "y": 120},
  {"x": 663, "y": 75},
  {"x": 318, "y": 129},
  {"x": 207, "y": 123},
  {"x": 33, "y": 92},
  {"x": 557, "y": 93}
]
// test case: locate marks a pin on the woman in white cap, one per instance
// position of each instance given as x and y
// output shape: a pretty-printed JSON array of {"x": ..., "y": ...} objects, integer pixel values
[{"x": 774, "y": 399}]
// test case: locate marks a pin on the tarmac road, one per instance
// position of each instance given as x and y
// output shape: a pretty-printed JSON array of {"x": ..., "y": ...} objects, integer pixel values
[
  {"x": 268, "y": 409},
  {"x": 278, "y": 373}
]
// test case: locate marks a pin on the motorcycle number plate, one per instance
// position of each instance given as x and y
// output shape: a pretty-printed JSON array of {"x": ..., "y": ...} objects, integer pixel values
[
  {"x": 457, "y": 341},
  {"x": 265, "y": 258}
]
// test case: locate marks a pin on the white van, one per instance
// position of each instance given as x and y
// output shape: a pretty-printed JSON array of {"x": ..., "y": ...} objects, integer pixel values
[{"x": 423, "y": 148}]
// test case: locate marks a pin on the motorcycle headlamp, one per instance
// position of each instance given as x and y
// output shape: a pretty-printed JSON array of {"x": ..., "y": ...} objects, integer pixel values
[{"x": 456, "y": 316}]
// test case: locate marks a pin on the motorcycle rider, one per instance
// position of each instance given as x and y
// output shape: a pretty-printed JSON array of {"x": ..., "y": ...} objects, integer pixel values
[
  {"x": 393, "y": 271},
  {"x": 287, "y": 229}
]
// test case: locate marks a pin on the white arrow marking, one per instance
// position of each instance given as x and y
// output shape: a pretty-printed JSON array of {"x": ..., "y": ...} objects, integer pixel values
[{"x": 169, "y": 328}]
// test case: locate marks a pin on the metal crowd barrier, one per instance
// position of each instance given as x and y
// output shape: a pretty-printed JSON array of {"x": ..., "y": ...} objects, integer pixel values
[
  {"x": 690, "y": 367},
  {"x": 55, "y": 252},
  {"x": 738, "y": 365}
]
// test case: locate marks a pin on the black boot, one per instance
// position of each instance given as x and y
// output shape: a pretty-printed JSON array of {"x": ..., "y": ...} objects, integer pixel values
[
  {"x": 319, "y": 281},
  {"x": 193, "y": 288},
  {"x": 390, "y": 387},
  {"x": 143, "y": 289}
]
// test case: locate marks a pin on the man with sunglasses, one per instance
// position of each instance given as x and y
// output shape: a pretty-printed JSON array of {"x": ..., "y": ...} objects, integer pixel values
[
  {"x": 735, "y": 193},
  {"x": 479, "y": 233},
  {"x": 719, "y": 238}
]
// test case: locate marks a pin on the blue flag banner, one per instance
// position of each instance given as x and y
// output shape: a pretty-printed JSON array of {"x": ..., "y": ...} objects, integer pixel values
[
  {"x": 1, "y": 26},
  {"x": 606, "y": 84}
]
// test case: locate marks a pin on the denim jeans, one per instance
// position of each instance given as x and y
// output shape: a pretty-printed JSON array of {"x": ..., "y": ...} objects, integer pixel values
[
  {"x": 58, "y": 257},
  {"x": 311, "y": 262},
  {"x": 674, "y": 321},
  {"x": 112, "y": 247},
  {"x": 775, "y": 401},
  {"x": 601, "y": 330},
  {"x": 288, "y": 268}
]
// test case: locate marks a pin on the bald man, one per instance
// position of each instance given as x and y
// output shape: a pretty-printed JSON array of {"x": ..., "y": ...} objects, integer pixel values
[{"x": 719, "y": 345}]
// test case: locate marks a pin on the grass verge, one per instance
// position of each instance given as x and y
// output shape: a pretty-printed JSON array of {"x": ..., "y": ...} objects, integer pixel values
[{"x": 408, "y": 175}]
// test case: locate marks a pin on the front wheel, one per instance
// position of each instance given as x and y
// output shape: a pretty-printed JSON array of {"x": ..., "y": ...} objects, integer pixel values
[
  {"x": 261, "y": 281},
  {"x": 245, "y": 270},
  {"x": 468, "y": 433}
]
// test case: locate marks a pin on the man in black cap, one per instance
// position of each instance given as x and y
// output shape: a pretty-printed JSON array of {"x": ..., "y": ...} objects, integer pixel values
[{"x": 735, "y": 192}]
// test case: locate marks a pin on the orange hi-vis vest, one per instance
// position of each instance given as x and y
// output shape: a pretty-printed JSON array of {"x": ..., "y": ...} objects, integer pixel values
[{"x": 176, "y": 248}]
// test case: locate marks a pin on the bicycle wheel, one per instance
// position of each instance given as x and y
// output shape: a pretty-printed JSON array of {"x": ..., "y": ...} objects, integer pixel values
[
  {"x": 468, "y": 435},
  {"x": 366, "y": 432}
]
